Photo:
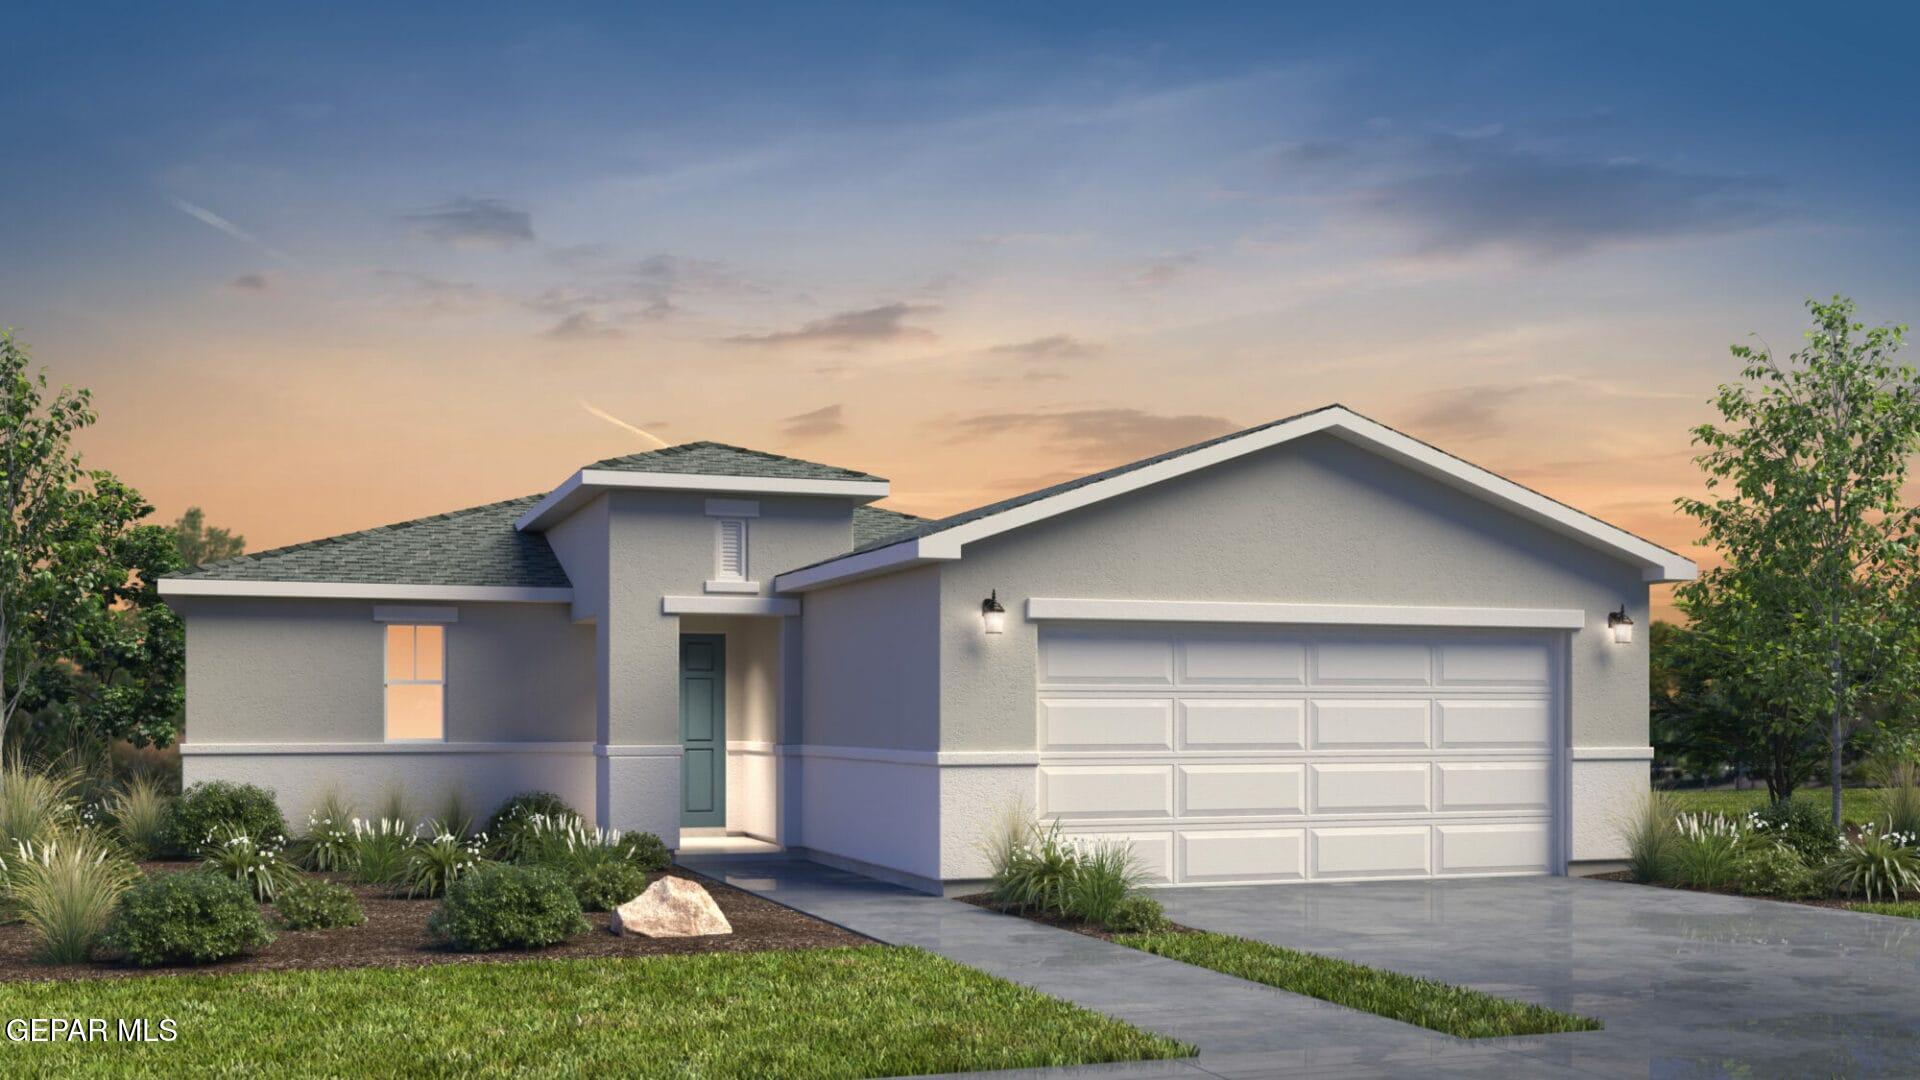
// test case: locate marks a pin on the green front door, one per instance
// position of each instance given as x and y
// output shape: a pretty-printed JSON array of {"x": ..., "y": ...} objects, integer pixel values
[{"x": 703, "y": 729}]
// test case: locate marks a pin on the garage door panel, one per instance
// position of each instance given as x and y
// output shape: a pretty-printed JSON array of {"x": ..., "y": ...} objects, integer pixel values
[
  {"x": 1091, "y": 792},
  {"x": 1242, "y": 724},
  {"x": 1385, "y": 724},
  {"x": 1245, "y": 790},
  {"x": 1107, "y": 659},
  {"x": 1243, "y": 855},
  {"x": 1400, "y": 851},
  {"x": 1117, "y": 724},
  {"x": 1385, "y": 788},
  {"x": 1494, "y": 849},
  {"x": 1383, "y": 662},
  {"x": 1520, "y": 724},
  {"x": 1470, "y": 662},
  {"x": 1243, "y": 661},
  {"x": 1505, "y": 785}
]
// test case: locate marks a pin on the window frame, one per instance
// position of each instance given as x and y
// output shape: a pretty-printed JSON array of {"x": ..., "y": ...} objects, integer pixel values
[
  {"x": 720, "y": 573},
  {"x": 388, "y": 681}
]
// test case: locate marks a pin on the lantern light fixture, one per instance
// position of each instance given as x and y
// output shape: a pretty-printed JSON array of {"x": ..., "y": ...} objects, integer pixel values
[
  {"x": 1621, "y": 625},
  {"x": 992, "y": 614}
]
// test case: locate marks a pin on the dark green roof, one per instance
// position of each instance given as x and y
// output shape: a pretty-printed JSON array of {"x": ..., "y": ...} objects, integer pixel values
[
  {"x": 873, "y": 525},
  {"x": 719, "y": 459},
  {"x": 475, "y": 546}
]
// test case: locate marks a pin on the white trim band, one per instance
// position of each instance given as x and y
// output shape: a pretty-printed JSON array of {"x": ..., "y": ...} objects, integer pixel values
[
  {"x": 401, "y": 613},
  {"x": 942, "y": 758},
  {"x": 363, "y": 748},
  {"x": 612, "y": 750},
  {"x": 1218, "y": 611},
  {"x": 356, "y": 590},
  {"x": 586, "y": 483},
  {"x": 728, "y": 605},
  {"x": 1612, "y": 753}
]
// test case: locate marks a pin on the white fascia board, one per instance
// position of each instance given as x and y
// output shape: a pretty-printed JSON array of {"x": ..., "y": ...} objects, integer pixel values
[
  {"x": 354, "y": 590},
  {"x": 584, "y": 484},
  {"x": 1216, "y": 611},
  {"x": 402, "y": 613},
  {"x": 866, "y": 564},
  {"x": 728, "y": 605}
]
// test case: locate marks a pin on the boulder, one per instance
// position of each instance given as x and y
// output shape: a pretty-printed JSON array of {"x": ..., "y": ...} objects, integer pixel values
[{"x": 671, "y": 907}]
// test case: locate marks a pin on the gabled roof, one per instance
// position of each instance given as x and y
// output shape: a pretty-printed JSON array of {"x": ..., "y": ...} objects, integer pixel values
[
  {"x": 703, "y": 466},
  {"x": 946, "y": 538},
  {"x": 476, "y": 549},
  {"x": 877, "y": 525}
]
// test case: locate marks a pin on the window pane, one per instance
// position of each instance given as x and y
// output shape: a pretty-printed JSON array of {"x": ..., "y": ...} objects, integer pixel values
[
  {"x": 415, "y": 712},
  {"x": 428, "y": 652},
  {"x": 399, "y": 652}
]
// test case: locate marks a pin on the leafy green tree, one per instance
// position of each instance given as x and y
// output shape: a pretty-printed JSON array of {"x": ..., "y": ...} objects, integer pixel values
[
  {"x": 1705, "y": 715},
  {"x": 1812, "y": 613},
  {"x": 200, "y": 543},
  {"x": 70, "y": 540}
]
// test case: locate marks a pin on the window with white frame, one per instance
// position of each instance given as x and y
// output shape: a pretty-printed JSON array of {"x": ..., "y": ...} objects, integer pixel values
[
  {"x": 730, "y": 549},
  {"x": 416, "y": 682}
]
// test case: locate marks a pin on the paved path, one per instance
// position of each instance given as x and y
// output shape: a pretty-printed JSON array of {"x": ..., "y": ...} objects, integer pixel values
[{"x": 1242, "y": 1029}]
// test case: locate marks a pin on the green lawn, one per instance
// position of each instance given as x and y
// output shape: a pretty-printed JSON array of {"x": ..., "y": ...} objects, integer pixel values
[
  {"x": 1859, "y": 806},
  {"x": 870, "y": 1011},
  {"x": 1455, "y": 1010},
  {"x": 1905, "y": 909}
]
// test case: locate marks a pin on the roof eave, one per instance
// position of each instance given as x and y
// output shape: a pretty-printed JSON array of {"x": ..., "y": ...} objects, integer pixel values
[
  {"x": 583, "y": 485},
  {"x": 364, "y": 590}
]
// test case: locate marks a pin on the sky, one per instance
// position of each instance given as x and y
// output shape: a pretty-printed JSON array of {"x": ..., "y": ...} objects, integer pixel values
[{"x": 327, "y": 267}]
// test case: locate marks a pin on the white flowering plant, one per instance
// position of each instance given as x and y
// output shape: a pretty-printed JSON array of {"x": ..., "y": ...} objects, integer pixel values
[{"x": 260, "y": 865}]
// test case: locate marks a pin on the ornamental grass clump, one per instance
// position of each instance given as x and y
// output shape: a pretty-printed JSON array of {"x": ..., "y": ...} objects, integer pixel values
[
  {"x": 1900, "y": 797},
  {"x": 65, "y": 890},
  {"x": 1876, "y": 866},
  {"x": 435, "y": 863},
  {"x": 380, "y": 850},
  {"x": 1095, "y": 882},
  {"x": 1652, "y": 837},
  {"x": 35, "y": 804},
  {"x": 1709, "y": 851},
  {"x": 262, "y": 866},
  {"x": 328, "y": 844},
  {"x": 513, "y": 829},
  {"x": 140, "y": 812}
]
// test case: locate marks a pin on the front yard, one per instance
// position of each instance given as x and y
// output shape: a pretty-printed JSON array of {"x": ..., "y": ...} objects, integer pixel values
[
  {"x": 844, "y": 1012},
  {"x": 1859, "y": 806}
]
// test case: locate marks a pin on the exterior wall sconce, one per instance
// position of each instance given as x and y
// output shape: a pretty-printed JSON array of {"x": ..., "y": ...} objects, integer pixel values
[
  {"x": 992, "y": 614},
  {"x": 1621, "y": 625}
]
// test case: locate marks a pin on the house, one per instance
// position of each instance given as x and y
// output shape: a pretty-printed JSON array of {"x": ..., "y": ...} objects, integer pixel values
[{"x": 1317, "y": 649}]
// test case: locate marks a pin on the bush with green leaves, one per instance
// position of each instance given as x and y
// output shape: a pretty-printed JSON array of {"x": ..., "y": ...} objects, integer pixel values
[
  {"x": 207, "y": 807},
  {"x": 380, "y": 851},
  {"x": 1876, "y": 866},
  {"x": 1049, "y": 874},
  {"x": 504, "y": 906},
  {"x": 186, "y": 919},
  {"x": 65, "y": 889},
  {"x": 1033, "y": 875},
  {"x": 1709, "y": 850},
  {"x": 510, "y": 824},
  {"x": 607, "y": 886},
  {"x": 1139, "y": 914},
  {"x": 435, "y": 863},
  {"x": 604, "y": 867},
  {"x": 1103, "y": 876},
  {"x": 262, "y": 867},
  {"x": 1778, "y": 871},
  {"x": 140, "y": 812},
  {"x": 1801, "y": 825},
  {"x": 1652, "y": 835},
  {"x": 314, "y": 904},
  {"x": 328, "y": 844}
]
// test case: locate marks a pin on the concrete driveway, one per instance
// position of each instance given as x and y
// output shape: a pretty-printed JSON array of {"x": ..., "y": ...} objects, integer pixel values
[{"x": 1688, "y": 984}]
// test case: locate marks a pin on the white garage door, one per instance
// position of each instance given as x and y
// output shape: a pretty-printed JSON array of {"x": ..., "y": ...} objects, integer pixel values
[{"x": 1255, "y": 754}]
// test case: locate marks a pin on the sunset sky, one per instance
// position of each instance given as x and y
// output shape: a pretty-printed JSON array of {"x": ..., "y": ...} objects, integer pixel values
[{"x": 350, "y": 265}]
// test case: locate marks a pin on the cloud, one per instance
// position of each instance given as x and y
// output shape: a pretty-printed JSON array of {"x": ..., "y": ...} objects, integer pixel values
[
  {"x": 848, "y": 329},
  {"x": 580, "y": 326},
  {"x": 1051, "y": 347},
  {"x": 817, "y": 424},
  {"x": 471, "y": 222},
  {"x": 1165, "y": 270},
  {"x": 435, "y": 295},
  {"x": 251, "y": 283},
  {"x": 647, "y": 289},
  {"x": 1100, "y": 437}
]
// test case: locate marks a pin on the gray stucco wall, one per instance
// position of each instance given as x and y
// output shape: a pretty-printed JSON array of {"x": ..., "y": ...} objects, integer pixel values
[
  {"x": 870, "y": 663},
  {"x": 1314, "y": 521}
]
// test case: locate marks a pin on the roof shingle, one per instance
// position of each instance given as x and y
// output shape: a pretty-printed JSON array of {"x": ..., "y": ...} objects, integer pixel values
[{"x": 719, "y": 459}]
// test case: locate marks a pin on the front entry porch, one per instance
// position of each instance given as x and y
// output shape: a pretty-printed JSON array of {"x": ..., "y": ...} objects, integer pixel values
[{"x": 732, "y": 704}]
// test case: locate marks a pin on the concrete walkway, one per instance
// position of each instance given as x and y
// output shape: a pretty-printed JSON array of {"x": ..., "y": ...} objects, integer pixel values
[{"x": 1242, "y": 1029}]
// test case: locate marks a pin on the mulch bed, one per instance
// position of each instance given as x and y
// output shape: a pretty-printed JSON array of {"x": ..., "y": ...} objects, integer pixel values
[{"x": 395, "y": 935}]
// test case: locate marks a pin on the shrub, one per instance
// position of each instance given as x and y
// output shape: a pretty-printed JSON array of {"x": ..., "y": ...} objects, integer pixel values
[
  {"x": 455, "y": 817},
  {"x": 605, "y": 887},
  {"x": 312, "y": 904},
  {"x": 186, "y": 918},
  {"x": 503, "y": 906},
  {"x": 1050, "y": 875},
  {"x": 1652, "y": 837},
  {"x": 261, "y": 867},
  {"x": 1103, "y": 876},
  {"x": 1901, "y": 797},
  {"x": 65, "y": 890},
  {"x": 648, "y": 852},
  {"x": 1035, "y": 874},
  {"x": 205, "y": 807},
  {"x": 140, "y": 812},
  {"x": 34, "y": 804},
  {"x": 1139, "y": 915},
  {"x": 1708, "y": 852},
  {"x": 328, "y": 844},
  {"x": 380, "y": 851},
  {"x": 434, "y": 865},
  {"x": 1875, "y": 865},
  {"x": 1799, "y": 824},
  {"x": 604, "y": 867},
  {"x": 1776, "y": 870},
  {"x": 510, "y": 824}
]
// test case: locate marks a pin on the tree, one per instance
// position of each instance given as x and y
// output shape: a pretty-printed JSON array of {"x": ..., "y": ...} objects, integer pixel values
[
  {"x": 1811, "y": 613},
  {"x": 1706, "y": 714},
  {"x": 200, "y": 544},
  {"x": 66, "y": 534}
]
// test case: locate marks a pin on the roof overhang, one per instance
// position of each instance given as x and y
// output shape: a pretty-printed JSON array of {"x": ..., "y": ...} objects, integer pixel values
[
  {"x": 1656, "y": 563},
  {"x": 583, "y": 485},
  {"x": 357, "y": 590}
]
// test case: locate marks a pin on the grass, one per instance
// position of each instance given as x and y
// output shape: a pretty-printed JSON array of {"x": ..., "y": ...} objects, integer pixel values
[
  {"x": 1859, "y": 806},
  {"x": 870, "y": 1011},
  {"x": 1905, "y": 909},
  {"x": 1453, "y": 1010}
]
